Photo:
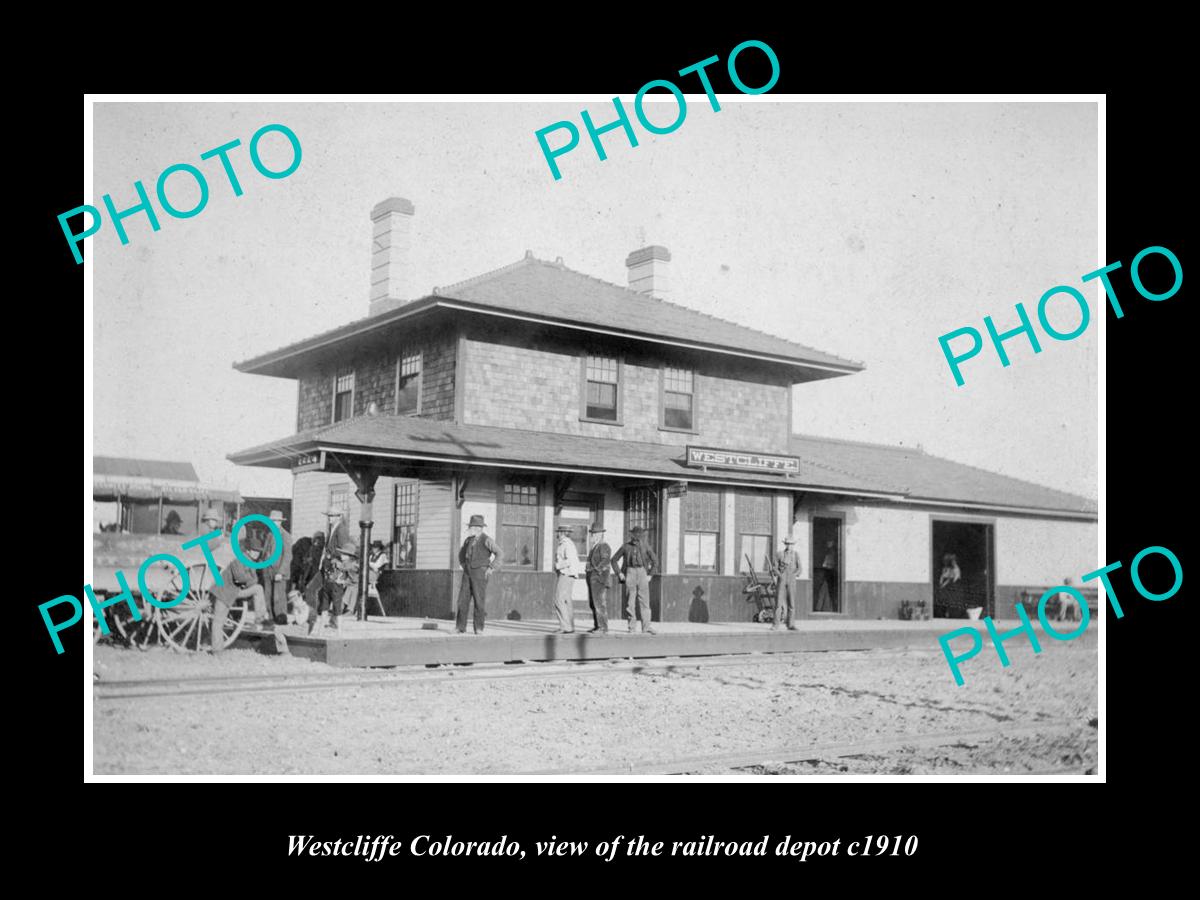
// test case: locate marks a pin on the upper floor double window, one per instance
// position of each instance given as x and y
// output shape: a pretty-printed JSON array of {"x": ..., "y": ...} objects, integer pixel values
[
  {"x": 602, "y": 387},
  {"x": 408, "y": 386}
]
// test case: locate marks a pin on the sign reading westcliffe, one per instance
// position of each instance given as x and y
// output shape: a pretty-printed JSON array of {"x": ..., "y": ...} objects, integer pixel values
[{"x": 734, "y": 459}]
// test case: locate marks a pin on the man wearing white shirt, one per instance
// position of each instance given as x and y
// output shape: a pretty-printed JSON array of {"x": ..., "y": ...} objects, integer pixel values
[{"x": 566, "y": 563}]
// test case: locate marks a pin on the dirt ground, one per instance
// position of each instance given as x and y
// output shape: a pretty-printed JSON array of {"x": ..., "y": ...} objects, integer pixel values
[{"x": 582, "y": 722}]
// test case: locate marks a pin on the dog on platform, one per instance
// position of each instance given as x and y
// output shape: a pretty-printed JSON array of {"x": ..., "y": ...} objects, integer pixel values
[{"x": 297, "y": 608}]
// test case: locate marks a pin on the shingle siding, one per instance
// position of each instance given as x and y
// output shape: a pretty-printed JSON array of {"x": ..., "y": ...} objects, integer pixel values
[
  {"x": 537, "y": 388},
  {"x": 375, "y": 380}
]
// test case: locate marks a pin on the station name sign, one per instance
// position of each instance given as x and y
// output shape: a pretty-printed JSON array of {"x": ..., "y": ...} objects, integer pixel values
[
  {"x": 746, "y": 462},
  {"x": 309, "y": 462}
]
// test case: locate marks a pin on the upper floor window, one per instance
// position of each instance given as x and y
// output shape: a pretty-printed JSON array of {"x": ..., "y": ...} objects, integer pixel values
[
  {"x": 343, "y": 395},
  {"x": 679, "y": 399},
  {"x": 602, "y": 389},
  {"x": 408, "y": 382}
]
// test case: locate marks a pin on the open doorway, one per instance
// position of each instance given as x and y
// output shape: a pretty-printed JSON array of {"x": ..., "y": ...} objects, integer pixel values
[
  {"x": 579, "y": 512},
  {"x": 963, "y": 570},
  {"x": 827, "y": 564}
]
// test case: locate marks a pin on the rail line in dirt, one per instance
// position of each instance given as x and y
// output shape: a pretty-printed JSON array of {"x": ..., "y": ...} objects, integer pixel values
[{"x": 182, "y": 686}]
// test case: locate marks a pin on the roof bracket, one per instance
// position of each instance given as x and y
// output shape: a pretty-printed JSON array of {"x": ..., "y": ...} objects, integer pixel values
[{"x": 561, "y": 486}]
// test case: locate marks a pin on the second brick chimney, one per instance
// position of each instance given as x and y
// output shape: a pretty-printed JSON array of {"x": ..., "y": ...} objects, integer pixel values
[
  {"x": 648, "y": 271},
  {"x": 391, "y": 224}
]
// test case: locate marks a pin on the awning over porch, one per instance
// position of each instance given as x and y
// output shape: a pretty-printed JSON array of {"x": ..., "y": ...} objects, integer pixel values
[{"x": 430, "y": 441}]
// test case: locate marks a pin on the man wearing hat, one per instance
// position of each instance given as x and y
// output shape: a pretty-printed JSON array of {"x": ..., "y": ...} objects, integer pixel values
[
  {"x": 240, "y": 582},
  {"x": 787, "y": 571},
  {"x": 639, "y": 565},
  {"x": 274, "y": 577},
  {"x": 566, "y": 563},
  {"x": 479, "y": 557},
  {"x": 599, "y": 578},
  {"x": 335, "y": 570}
]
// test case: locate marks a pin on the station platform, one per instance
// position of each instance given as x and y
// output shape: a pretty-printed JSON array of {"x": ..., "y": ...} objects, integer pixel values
[{"x": 388, "y": 641}]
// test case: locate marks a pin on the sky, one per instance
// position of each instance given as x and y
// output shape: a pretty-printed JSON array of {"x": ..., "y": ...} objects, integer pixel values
[{"x": 865, "y": 230}]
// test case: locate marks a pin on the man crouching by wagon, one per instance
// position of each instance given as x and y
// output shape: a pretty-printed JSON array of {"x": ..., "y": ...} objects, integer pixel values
[{"x": 240, "y": 583}]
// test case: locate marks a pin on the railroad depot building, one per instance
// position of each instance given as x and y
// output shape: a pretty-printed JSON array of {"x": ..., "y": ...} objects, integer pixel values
[{"x": 537, "y": 396}]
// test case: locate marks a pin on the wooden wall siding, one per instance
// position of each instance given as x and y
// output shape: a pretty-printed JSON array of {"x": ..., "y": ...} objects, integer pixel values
[
  {"x": 529, "y": 593},
  {"x": 702, "y": 598},
  {"x": 414, "y": 592}
]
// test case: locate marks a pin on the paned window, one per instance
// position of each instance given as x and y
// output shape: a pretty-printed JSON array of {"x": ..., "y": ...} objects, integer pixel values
[
  {"x": 701, "y": 529},
  {"x": 520, "y": 510}
]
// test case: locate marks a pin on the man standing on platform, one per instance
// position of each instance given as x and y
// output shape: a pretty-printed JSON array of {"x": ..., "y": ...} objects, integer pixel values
[
  {"x": 566, "y": 564},
  {"x": 479, "y": 557},
  {"x": 333, "y": 567},
  {"x": 787, "y": 570},
  {"x": 599, "y": 578},
  {"x": 274, "y": 577},
  {"x": 640, "y": 565}
]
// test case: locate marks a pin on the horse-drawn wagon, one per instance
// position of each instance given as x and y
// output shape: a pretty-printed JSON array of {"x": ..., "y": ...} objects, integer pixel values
[{"x": 187, "y": 622}]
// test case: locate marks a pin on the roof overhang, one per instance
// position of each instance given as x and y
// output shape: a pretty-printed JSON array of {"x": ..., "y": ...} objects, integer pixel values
[
  {"x": 291, "y": 361},
  {"x": 284, "y": 456}
]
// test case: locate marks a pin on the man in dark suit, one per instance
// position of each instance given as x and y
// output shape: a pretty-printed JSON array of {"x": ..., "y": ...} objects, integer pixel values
[
  {"x": 274, "y": 577},
  {"x": 640, "y": 565},
  {"x": 599, "y": 578},
  {"x": 479, "y": 557},
  {"x": 336, "y": 570}
]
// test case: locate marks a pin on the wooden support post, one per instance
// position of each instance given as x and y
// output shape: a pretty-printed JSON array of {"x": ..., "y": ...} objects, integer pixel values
[
  {"x": 365, "y": 521},
  {"x": 364, "y": 475}
]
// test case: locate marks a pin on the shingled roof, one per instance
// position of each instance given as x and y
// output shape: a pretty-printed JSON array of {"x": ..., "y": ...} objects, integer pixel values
[
  {"x": 551, "y": 293},
  {"x": 865, "y": 470},
  {"x": 920, "y": 476},
  {"x": 415, "y": 438}
]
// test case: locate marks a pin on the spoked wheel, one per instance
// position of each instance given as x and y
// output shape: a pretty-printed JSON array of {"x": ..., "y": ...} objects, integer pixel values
[
  {"x": 185, "y": 625},
  {"x": 140, "y": 634}
]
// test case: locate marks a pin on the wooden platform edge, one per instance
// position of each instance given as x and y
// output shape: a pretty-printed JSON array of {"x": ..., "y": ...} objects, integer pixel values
[{"x": 443, "y": 649}]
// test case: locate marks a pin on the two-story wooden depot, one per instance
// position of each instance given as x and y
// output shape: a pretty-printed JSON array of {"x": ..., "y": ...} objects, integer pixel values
[{"x": 536, "y": 396}]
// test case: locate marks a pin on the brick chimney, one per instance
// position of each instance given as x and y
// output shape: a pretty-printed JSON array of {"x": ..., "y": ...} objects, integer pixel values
[
  {"x": 648, "y": 271},
  {"x": 391, "y": 224}
]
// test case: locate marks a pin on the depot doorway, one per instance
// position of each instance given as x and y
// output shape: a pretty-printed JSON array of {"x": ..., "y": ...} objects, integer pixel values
[
  {"x": 963, "y": 568},
  {"x": 579, "y": 512},
  {"x": 827, "y": 564}
]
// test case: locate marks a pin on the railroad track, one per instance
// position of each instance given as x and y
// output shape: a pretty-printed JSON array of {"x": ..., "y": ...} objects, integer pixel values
[
  {"x": 796, "y": 754},
  {"x": 182, "y": 686}
]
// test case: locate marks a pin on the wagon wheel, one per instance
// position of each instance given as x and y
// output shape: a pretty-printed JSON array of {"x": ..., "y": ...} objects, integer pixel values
[
  {"x": 184, "y": 625},
  {"x": 140, "y": 634}
]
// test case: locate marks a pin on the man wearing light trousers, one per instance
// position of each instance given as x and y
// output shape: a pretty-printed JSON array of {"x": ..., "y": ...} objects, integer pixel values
[{"x": 566, "y": 563}]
